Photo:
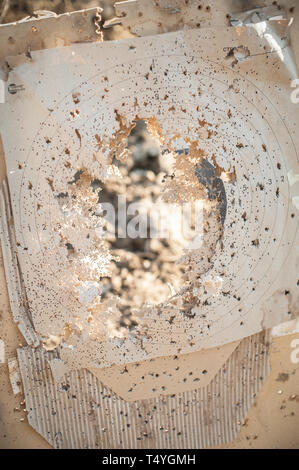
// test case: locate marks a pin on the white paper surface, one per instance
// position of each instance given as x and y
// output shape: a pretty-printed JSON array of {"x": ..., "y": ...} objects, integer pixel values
[{"x": 250, "y": 128}]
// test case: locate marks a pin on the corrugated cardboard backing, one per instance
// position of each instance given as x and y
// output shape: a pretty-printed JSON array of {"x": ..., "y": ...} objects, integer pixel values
[{"x": 82, "y": 413}]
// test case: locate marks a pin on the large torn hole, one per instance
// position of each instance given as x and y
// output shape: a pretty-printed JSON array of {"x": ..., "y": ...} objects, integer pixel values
[{"x": 147, "y": 270}]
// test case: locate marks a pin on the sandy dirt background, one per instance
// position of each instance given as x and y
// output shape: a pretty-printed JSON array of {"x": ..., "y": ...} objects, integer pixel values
[{"x": 273, "y": 421}]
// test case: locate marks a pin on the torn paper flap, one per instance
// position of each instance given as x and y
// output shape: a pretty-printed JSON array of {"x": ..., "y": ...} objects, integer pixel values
[
  {"x": 14, "y": 376},
  {"x": 15, "y": 285},
  {"x": 278, "y": 42}
]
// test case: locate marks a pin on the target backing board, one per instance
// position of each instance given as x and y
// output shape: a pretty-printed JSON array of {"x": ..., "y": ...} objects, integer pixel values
[{"x": 225, "y": 96}]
